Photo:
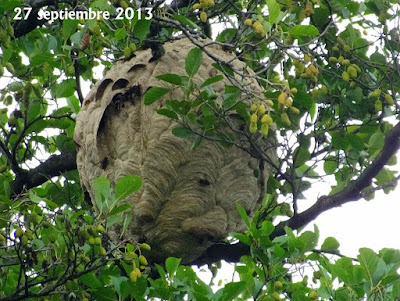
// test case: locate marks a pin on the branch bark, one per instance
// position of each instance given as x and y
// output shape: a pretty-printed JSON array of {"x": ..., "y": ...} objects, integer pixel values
[{"x": 54, "y": 166}]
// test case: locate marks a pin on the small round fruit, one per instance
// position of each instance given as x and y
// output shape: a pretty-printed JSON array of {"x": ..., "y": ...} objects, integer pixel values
[
  {"x": 346, "y": 48},
  {"x": 313, "y": 295},
  {"x": 264, "y": 129},
  {"x": 346, "y": 76},
  {"x": 143, "y": 260},
  {"x": 267, "y": 119},
  {"x": 145, "y": 246},
  {"x": 102, "y": 251},
  {"x": 100, "y": 228},
  {"x": 196, "y": 6},
  {"x": 293, "y": 90},
  {"x": 248, "y": 22},
  {"x": 389, "y": 99},
  {"x": 132, "y": 276},
  {"x": 203, "y": 16},
  {"x": 18, "y": 233},
  {"x": 278, "y": 285},
  {"x": 276, "y": 296},
  {"x": 24, "y": 239},
  {"x": 261, "y": 109},
  {"x": 253, "y": 127},
  {"x": 253, "y": 118},
  {"x": 97, "y": 241}
]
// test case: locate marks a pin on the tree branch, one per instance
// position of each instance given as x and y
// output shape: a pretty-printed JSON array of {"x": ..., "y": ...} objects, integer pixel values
[
  {"x": 351, "y": 193},
  {"x": 53, "y": 166}
]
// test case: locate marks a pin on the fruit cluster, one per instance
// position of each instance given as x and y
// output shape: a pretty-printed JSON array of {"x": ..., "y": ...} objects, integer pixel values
[
  {"x": 259, "y": 114},
  {"x": 139, "y": 262},
  {"x": 257, "y": 26},
  {"x": 203, "y": 5}
]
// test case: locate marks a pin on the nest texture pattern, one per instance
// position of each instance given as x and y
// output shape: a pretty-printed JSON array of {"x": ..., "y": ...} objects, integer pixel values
[{"x": 188, "y": 197}]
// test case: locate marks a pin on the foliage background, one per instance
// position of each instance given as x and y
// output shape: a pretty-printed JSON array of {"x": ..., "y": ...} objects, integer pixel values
[{"x": 339, "y": 123}]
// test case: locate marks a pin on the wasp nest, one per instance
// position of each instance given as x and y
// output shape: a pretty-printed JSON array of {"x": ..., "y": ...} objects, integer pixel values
[{"x": 188, "y": 197}]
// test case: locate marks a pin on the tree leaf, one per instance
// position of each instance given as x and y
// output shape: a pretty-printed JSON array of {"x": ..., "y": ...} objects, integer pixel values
[
  {"x": 153, "y": 94},
  {"x": 182, "y": 132},
  {"x": 141, "y": 29},
  {"x": 120, "y": 34},
  {"x": 274, "y": 10},
  {"x": 127, "y": 185},
  {"x": 212, "y": 80},
  {"x": 330, "y": 243},
  {"x": 304, "y": 30},
  {"x": 193, "y": 61},
  {"x": 171, "y": 78},
  {"x": 171, "y": 264},
  {"x": 186, "y": 21}
]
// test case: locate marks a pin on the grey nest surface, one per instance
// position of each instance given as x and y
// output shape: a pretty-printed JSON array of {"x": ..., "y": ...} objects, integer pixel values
[{"x": 188, "y": 199}]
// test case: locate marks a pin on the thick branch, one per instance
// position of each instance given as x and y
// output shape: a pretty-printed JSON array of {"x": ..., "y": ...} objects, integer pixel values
[
  {"x": 54, "y": 166},
  {"x": 352, "y": 192}
]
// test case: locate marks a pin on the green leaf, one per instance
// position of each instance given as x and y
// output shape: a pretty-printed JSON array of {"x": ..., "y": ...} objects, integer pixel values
[
  {"x": 34, "y": 111},
  {"x": 120, "y": 34},
  {"x": 330, "y": 166},
  {"x": 64, "y": 89},
  {"x": 127, "y": 185},
  {"x": 102, "y": 187},
  {"x": 330, "y": 243},
  {"x": 171, "y": 78},
  {"x": 120, "y": 209},
  {"x": 168, "y": 113},
  {"x": 212, "y": 80},
  {"x": 90, "y": 280},
  {"x": 171, "y": 264},
  {"x": 153, "y": 94},
  {"x": 69, "y": 26},
  {"x": 141, "y": 29},
  {"x": 41, "y": 58},
  {"x": 73, "y": 104},
  {"x": 185, "y": 21},
  {"x": 232, "y": 290},
  {"x": 304, "y": 30},
  {"x": 243, "y": 214},
  {"x": 243, "y": 238},
  {"x": 274, "y": 10},
  {"x": 368, "y": 260},
  {"x": 182, "y": 132},
  {"x": 193, "y": 61}
]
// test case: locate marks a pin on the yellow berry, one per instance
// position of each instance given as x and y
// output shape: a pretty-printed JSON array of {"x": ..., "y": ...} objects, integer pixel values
[
  {"x": 352, "y": 71},
  {"x": 203, "y": 16},
  {"x": 197, "y": 6},
  {"x": 269, "y": 102},
  {"x": 293, "y": 90},
  {"x": 376, "y": 93},
  {"x": 143, "y": 260},
  {"x": 145, "y": 246},
  {"x": 253, "y": 118},
  {"x": 345, "y": 76},
  {"x": 127, "y": 52},
  {"x": 100, "y": 228},
  {"x": 353, "y": 84},
  {"x": 340, "y": 59},
  {"x": 389, "y": 99},
  {"x": 307, "y": 58},
  {"x": 314, "y": 70},
  {"x": 282, "y": 98},
  {"x": 132, "y": 47},
  {"x": 123, "y": 4},
  {"x": 261, "y": 109},
  {"x": 248, "y": 22},
  {"x": 346, "y": 48},
  {"x": 295, "y": 110},
  {"x": 253, "y": 127},
  {"x": 132, "y": 276},
  {"x": 102, "y": 251},
  {"x": 97, "y": 241},
  {"x": 91, "y": 240},
  {"x": 264, "y": 129},
  {"x": 335, "y": 48},
  {"x": 267, "y": 119},
  {"x": 333, "y": 60},
  {"x": 378, "y": 106},
  {"x": 276, "y": 296},
  {"x": 345, "y": 62},
  {"x": 254, "y": 107}
]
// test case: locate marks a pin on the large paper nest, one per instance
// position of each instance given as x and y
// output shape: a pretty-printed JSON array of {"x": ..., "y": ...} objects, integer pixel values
[{"x": 188, "y": 199}]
